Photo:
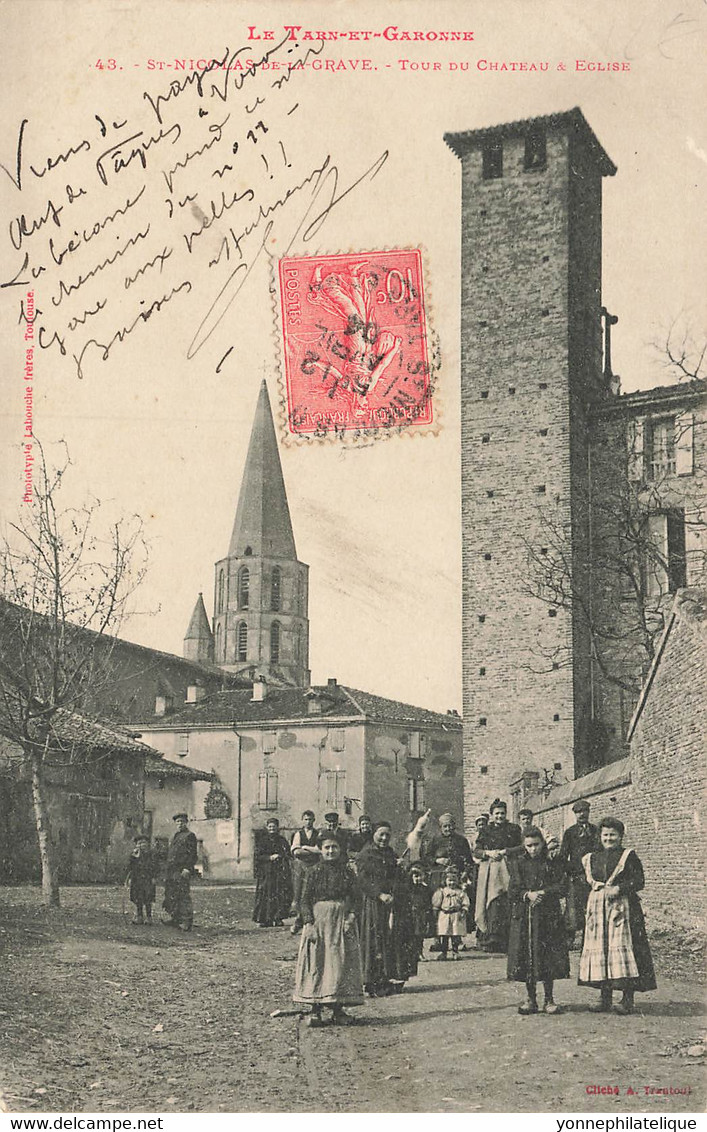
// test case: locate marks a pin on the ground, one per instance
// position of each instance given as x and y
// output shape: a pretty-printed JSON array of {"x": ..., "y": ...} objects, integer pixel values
[{"x": 99, "y": 1016}]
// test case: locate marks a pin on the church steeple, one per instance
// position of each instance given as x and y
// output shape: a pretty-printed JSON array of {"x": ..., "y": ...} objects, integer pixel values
[
  {"x": 261, "y": 589},
  {"x": 263, "y": 517},
  {"x": 198, "y": 639}
]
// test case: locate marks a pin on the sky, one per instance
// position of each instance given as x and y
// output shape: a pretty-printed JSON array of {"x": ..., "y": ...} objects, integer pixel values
[{"x": 154, "y": 431}]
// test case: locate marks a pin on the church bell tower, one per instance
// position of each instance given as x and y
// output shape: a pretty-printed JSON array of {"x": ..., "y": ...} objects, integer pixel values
[{"x": 260, "y": 625}]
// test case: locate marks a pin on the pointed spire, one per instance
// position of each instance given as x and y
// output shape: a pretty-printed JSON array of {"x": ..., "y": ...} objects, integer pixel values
[
  {"x": 263, "y": 516},
  {"x": 198, "y": 639}
]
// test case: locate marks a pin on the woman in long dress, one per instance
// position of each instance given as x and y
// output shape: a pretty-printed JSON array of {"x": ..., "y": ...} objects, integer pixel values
[
  {"x": 537, "y": 943},
  {"x": 490, "y": 852},
  {"x": 615, "y": 954},
  {"x": 273, "y": 879},
  {"x": 329, "y": 961},
  {"x": 387, "y": 930}
]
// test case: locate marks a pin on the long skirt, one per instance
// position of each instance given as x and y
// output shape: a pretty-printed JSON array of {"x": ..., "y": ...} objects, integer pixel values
[
  {"x": 577, "y": 904},
  {"x": 492, "y": 911},
  {"x": 387, "y": 952},
  {"x": 616, "y": 952},
  {"x": 537, "y": 943},
  {"x": 273, "y": 892},
  {"x": 329, "y": 960}
]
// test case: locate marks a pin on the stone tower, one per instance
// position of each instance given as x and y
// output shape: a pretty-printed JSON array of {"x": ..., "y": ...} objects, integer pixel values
[
  {"x": 261, "y": 624},
  {"x": 198, "y": 639},
  {"x": 531, "y": 370}
]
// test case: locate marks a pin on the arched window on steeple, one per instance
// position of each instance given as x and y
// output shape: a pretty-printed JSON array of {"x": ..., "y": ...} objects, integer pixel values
[
  {"x": 242, "y": 641},
  {"x": 275, "y": 642},
  {"x": 219, "y": 602},
  {"x": 275, "y": 589},
  {"x": 243, "y": 587},
  {"x": 219, "y": 643}
]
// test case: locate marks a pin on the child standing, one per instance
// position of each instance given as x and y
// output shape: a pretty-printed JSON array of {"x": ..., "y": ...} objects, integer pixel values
[
  {"x": 141, "y": 876},
  {"x": 421, "y": 907},
  {"x": 537, "y": 942},
  {"x": 615, "y": 953},
  {"x": 451, "y": 904}
]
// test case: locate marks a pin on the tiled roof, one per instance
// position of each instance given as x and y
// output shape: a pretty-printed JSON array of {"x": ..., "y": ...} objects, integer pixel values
[
  {"x": 236, "y": 706},
  {"x": 465, "y": 140},
  {"x": 69, "y": 727},
  {"x": 642, "y": 399},
  {"x": 159, "y": 767}
]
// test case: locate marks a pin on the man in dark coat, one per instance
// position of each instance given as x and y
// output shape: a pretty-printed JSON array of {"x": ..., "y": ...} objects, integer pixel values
[
  {"x": 181, "y": 862},
  {"x": 577, "y": 841}
]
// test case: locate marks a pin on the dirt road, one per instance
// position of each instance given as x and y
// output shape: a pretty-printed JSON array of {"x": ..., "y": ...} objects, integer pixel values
[{"x": 97, "y": 1015}]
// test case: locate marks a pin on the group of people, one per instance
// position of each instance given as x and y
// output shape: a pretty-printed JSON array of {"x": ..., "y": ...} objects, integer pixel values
[
  {"x": 180, "y": 868},
  {"x": 365, "y": 913}
]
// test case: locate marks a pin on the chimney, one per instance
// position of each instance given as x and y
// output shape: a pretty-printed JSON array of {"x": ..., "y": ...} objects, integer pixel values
[
  {"x": 260, "y": 690},
  {"x": 331, "y": 682}
]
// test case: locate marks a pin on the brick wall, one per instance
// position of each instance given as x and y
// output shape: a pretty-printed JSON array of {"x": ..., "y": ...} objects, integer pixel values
[{"x": 531, "y": 262}]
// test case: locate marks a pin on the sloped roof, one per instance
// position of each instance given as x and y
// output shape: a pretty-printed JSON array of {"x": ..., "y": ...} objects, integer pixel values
[
  {"x": 199, "y": 628},
  {"x": 70, "y": 727},
  {"x": 236, "y": 706},
  {"x": 156, "y": 766},
  {"x": 263, "y": 520},
  {"x": 573, "y": 120}
]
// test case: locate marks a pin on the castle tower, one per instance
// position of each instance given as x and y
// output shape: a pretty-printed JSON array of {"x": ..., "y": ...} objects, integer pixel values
[
  {"x": 261, "y": 589},
  {"x": 198, "y": 639},
  {"x": 531, "y": 370}
]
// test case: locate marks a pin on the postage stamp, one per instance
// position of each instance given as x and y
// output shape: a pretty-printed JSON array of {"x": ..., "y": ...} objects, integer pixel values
[{"x": 354, "y": 337}]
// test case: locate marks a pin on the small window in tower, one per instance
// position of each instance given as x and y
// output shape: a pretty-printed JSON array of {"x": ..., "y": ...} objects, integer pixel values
[
  {"x": 511, "y": 389},
  {"x": 487, "y": 557},
  {"x": 492, "y": 159},
  {"x": 485, "y": 270},
  {"x": 485, "y": 438},
  {"x": 221, "y": 591},
  {"x": 242, "y": 641},
  {"x": 482, "y": 618},
  {"x": 535, "y": 156},
  {"x": 484, "y": 394},
  {"x": 275, "y": 588},
  {"x": 543, "y": 550},
  {"x": 482, "y": 721},
  {"x": 482, "y": 672},
  {"x": 248, "y": 551},
  {"x": 542, "y": 385},
  {"x": 543, "y": 432},
  {"x": 546, "y": 259},
  {"x": 275, "y": 642},
  {"x": 552, "y": 613},
  {"x": 556, "y": 718},
  {"x": 489, "y": 494},
  {"x": 541, "y": 489},
  {"x": 557, "y": 766},
  {"x": 483, "y": 770},
  {"x": 483, "y": 324},
  {"x": 545, "y": 312},
  {"x": 243, "y": 587},
  {"x": 555, "y": 666}
]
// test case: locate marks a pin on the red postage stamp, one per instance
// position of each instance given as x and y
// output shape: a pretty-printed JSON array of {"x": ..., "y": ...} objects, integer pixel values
[{"x": 355, "y": 342}]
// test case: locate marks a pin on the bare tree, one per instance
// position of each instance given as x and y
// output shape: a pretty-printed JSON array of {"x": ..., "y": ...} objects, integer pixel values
[
  {"x": 65, "y": 588},
  {"x": 645, "y": 533}
]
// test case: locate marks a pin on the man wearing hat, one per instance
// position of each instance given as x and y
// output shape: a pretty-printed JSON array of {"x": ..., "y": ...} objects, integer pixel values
[
  {"x": 181, "y": 861},
  {"x": 331, "y": 826},
  {"x": 577, "y": 841}
]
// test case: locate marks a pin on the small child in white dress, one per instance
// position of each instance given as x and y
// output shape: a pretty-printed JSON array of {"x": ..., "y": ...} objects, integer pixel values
[{"x": 451, "y": 905}]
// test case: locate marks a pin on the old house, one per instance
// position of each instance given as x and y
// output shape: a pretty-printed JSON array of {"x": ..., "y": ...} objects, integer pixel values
[
  {"x": 277, "y": 751},
  {"x": 96, "y": 777}
]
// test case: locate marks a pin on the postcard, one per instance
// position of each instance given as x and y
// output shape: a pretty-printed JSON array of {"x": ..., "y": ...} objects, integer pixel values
[{"x": 322, "y": 325}]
